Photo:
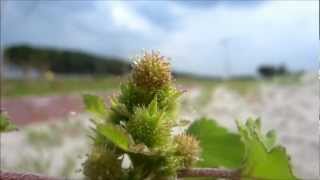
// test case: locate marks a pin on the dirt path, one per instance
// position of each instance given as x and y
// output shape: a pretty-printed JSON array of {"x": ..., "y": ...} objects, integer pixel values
[{"x": 28, "y": 110}]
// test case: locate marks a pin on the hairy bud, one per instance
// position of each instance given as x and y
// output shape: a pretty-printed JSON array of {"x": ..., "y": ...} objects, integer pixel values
[
  {"x": 187, "y": 147},
  {"x": 151, "y": 71},
  {"x": 102, "y": 164}
]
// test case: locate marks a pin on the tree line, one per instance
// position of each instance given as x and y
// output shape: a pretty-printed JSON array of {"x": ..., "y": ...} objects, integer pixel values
[
  {"x": 63, "y": 61},
  {"x": 78, "y": 62}
]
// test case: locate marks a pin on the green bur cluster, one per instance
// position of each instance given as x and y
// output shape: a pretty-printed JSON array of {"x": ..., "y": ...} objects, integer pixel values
[{"x": 139, "y": 125}]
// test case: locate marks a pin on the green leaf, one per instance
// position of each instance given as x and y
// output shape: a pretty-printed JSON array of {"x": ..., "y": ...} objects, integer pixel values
[
  {"x": 263, "y": 159},
  {"x": 120, "y": 138},
  {"x": 270, "y": 140},
  {"x": 6, "y": 125},
  {"x": 219, "y": 147},
  {"x": 153, "y": 106},
  {"x": 95, "y": 105},
  {"x": 116, "y": 135}
]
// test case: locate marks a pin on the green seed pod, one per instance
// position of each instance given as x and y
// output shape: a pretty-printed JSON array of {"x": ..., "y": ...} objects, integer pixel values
[
  {"x": 102, "y": 164},
  {"x": 149, "y": 126},
  {"x": 188, "y": 148},
  {"x": 151, "y": 71}
]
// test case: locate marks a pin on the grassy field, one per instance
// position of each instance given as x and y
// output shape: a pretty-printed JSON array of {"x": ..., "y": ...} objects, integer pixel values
[
  {"x": 42, "y": 87},
  {"x": 49, "y": 143}
]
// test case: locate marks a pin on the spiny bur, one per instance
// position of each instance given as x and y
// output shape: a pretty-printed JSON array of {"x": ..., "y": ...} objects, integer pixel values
[
  {"x": 102, "y": 164},
  {"x": 151, "y": 71},
  {"x": 149, "y": 126},
  {"x": 188, "y": 147}
]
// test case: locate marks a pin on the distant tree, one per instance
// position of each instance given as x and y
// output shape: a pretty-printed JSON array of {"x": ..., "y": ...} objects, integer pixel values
[
  {"x": 40, "y": 61},
  {"x": 20, "y": 56},
  {"x": 268, "y": 71}
]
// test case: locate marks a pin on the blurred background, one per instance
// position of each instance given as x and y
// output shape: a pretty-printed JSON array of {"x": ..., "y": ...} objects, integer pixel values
[{"x": 236, "y": 59}]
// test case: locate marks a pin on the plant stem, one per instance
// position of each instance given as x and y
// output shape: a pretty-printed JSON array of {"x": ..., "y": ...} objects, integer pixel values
[
  {"x": 192, "y": 172},
  {"x": 24, "y": 176},
  {"x": 209, "y": 172}
]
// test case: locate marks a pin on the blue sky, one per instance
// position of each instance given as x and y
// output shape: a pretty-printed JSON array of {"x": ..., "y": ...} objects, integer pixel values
[{"x": 201, "y": 38}]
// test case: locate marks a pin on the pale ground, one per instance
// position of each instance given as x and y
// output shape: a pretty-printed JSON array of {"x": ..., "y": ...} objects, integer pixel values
[{"x": 292, "y": 110}]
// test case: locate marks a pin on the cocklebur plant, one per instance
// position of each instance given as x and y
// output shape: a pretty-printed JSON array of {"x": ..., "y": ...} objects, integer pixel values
[{"x": 139, "y": 123}]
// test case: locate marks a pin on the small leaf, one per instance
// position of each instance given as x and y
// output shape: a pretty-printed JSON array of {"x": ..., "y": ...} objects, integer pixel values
[
  {"x": 120, "y": 109},
  {"x": 6, "y": 125},
  {"x": 219, "y": 147},
  {"x": 269, "y": 141},
  {"x": 121, "y": 139},
  {"x": 95, "y": 105},
  {"x": 153, "y": 106},
  {"x": 263, "y": 159},
  {"x": 116, "y": 135}
]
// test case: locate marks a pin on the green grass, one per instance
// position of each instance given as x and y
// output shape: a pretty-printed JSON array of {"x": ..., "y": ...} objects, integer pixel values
[
  {"x": 293, "y": 79},
  {"x": 44, "y": 137},
  {"x": 197, "y": 82},
  {"x": 42, "y": 87},
  {"x": 243, "y": 87}
]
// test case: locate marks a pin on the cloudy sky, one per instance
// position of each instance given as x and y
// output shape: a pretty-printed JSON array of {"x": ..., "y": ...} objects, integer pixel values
[{"x": 207, "y": 37}]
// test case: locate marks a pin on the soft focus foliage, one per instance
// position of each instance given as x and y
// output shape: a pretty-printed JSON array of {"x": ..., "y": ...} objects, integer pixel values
[
  {"x": 219, "y": 146},
  {"x": 5, "y": 124},
  {"x": 254, "y": 154},
  {"x": 263, "y": 158}
]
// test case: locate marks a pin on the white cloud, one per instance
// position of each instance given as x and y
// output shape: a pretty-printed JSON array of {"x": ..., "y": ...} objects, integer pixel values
[
  {"x": 124, "y": 16},
  {"x": 274, "y": 32}
]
